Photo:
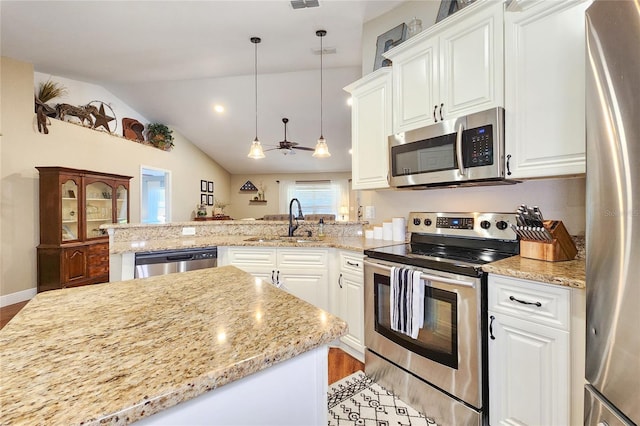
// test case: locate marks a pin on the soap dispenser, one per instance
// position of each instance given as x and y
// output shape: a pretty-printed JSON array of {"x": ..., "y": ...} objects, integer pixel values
[{"x": 321, "y": 228}]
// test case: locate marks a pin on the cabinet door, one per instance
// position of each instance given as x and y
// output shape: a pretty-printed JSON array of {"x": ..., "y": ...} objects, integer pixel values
[
  {"x": 121, "y": 201},
  {"x": 528, "y": 373},
  {"x": 370, "y": 127},
  {"x": 258, "y": 261},
  {"x": 545, "y": 89},
  {"x": 307, "y": 284},
  {"x": 99, "y": 195},
  {"x": 351, "y": 308},
  {"x": 98, "y": 262},
  {"x": 471, "y": 63},
  {"x": 70, "y": 209},
  {"x": 75, "y": 269},
  {"x": 415, "y": 87}
]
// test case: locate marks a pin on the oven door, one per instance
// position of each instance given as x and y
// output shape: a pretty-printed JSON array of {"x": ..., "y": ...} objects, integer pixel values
[{"x": 448, "y": 350}]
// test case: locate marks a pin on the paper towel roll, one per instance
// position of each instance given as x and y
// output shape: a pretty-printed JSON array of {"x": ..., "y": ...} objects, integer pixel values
[
  {"x": 387, "y": 231},
  {"x": 399, "y": 232},
  {"x": 377, "y": 232}
]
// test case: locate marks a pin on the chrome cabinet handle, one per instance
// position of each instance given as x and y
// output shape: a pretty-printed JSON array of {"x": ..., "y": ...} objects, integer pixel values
[
  {"x": 435, "y": 119},
  {"x": 491, "y": 328},
  {"x": 340, "y": 280},
  {"x": 508, "y": 167},
  {"x": 459, "y": 150},
  {"x": 441, "y": 106},
  {"x": 513, "y": 299}
]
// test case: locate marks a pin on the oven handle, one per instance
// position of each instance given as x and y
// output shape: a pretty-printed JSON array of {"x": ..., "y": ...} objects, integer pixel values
[{"x": 429, "y": 277}]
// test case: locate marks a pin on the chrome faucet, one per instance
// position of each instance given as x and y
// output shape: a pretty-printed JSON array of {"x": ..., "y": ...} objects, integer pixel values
[{"x": 293, "y": 227}]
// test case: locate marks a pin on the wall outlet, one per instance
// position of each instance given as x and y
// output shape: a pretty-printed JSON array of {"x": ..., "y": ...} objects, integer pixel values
[
  {"x": 189, "y": 230},
  {"x": 369, "y": 212}
]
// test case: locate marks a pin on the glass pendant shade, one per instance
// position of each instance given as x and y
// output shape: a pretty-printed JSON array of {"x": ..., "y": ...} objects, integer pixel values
[
  {"x": 322, "y": 150},
  {"x": 256, "y": 151}
]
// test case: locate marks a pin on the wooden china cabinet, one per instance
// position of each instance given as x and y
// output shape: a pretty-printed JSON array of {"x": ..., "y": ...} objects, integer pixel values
[{"x": 73, "y": 250}]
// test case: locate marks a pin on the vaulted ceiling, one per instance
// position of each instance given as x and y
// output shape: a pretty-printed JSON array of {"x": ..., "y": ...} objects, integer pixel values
[{"x": 172, "y": 61}]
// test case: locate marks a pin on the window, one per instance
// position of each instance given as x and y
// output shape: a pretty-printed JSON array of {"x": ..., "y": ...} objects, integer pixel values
[
  {"x": 316, "y": 197},
  {"x": 154, "y": 195}
]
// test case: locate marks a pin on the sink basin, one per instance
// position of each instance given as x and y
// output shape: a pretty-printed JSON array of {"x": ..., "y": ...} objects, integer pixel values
[{"x": 263, "y": 239}]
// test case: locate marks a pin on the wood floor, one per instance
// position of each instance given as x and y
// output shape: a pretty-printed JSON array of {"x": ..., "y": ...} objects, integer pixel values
[{"x": 341, "y": 364}]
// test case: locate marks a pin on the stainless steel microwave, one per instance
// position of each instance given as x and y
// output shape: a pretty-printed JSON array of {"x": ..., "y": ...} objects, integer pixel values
[{"x": 464, "y": 150}]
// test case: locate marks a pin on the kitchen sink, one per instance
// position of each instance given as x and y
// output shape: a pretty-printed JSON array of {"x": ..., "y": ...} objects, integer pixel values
[{"x": 283, "y": 239}]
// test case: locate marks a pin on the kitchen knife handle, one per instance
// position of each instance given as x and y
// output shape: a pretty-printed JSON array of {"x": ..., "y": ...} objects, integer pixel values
[{"x": 524, "y": 302}]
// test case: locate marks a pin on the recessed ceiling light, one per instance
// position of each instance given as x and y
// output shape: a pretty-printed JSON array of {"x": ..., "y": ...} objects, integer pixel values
[{"x": 218, "y": 108}]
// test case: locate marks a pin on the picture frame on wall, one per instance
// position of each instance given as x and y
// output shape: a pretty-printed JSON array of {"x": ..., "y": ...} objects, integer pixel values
[
  {"x": 209, "y": 186},
  {"x": 203, "y": 186},
  {"x": 203, "y": 199},
  {"x": 210, "y": 199},
  {"x": 386, "y": 41}
]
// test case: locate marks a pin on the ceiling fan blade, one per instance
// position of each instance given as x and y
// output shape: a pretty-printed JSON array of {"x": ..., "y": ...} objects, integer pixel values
[{"x": 303, "y": 148}]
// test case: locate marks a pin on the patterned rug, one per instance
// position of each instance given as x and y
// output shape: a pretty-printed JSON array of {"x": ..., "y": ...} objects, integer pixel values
[{"x": 357, "y": 400}]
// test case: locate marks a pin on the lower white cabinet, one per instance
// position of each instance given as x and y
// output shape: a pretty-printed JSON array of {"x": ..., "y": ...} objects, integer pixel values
[
  {"x": 300, "y": 271},
  {"x": 536, "y": 353},
  {"x": 348, "y": 299}
]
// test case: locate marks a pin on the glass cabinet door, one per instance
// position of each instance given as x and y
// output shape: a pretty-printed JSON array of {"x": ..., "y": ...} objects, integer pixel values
[
  {"x": 69, "y": 225},
  {"x": 122, "y": 209},
  {"x": 98, "y": 209}
]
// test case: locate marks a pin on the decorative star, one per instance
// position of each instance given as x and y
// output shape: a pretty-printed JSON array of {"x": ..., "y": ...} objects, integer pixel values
[{"x": 102, "y": 119}]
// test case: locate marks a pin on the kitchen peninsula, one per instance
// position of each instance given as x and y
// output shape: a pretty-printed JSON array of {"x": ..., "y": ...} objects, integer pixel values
[{"x": 200, "y": 343}]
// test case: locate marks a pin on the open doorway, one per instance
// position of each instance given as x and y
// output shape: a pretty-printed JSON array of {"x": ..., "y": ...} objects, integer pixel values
[{"x": 155, "y": 185}]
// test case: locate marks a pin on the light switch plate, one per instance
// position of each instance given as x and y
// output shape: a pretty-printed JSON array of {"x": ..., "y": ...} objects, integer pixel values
[
  {"x": 189, "y": 230},
  {"x": 369, "y": 212}
]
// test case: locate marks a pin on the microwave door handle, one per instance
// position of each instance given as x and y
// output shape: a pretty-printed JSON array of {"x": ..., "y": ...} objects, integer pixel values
[{"x": 459, "y": 150}]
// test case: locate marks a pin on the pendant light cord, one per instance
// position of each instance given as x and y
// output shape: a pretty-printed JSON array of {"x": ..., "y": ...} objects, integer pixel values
[
  {"x": 321, "y": 34},
  {"x": 255, "y": 41}
]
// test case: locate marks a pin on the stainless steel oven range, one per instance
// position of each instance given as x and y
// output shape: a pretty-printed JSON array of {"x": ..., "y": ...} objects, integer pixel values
[{"x": 441, "y": 369}]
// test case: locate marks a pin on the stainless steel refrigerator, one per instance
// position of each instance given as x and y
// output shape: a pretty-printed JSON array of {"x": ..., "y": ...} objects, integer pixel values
[{"x": 612, "y": 395}]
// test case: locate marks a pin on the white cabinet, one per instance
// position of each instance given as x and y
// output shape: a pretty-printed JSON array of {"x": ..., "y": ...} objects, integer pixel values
[
  {"x": 370, "y": 127},
  {"x": 451, "y": 69},
  {"x": 300, "y": 271},
  {"x": 545, "y": 88},
  {"x": 536, "y": 353},
  {"x": 348, "y": 299}
]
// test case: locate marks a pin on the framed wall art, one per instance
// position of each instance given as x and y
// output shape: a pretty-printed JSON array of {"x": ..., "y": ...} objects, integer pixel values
[
  {"x": 203, "y": 186},
  {"x": 210, "y": 199},
  {"x": 386, "y": 41},
  {"x": 209, "y": 186},
  {"x": 203, "y": 199}
]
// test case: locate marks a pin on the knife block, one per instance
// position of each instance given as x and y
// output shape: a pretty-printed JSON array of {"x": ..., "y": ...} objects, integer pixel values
[{"x": 560, "y": 248}]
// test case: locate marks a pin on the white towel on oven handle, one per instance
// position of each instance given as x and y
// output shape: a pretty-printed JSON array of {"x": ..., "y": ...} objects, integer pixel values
[{"x": 406, "y": 301}]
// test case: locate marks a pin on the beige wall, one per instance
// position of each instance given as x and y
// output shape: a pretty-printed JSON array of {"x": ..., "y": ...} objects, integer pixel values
[
  {"x": 23, "y": 148},
  {"x": 240, "y": 206}
]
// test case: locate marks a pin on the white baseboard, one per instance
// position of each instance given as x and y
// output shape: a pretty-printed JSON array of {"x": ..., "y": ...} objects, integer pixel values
[{"x": 17, "y": 297}]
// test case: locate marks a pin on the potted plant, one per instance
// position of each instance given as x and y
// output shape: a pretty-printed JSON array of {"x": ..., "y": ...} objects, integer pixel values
[
  {"x": 218, "y": 207},
  {"x": 160, "y": 136}
]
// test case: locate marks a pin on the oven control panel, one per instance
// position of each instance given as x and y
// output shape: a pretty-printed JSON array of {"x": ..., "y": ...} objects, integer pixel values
[{"x": 478, "y": 225}]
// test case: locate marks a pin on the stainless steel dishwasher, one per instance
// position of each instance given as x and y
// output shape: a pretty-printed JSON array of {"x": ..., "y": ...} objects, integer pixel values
[{"x": 149, "y": 264}]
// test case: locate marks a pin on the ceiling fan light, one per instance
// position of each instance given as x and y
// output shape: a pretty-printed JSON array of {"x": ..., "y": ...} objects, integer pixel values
[
  {"x": 322, "y": 150},
  {"x": 256, "y": 151}
]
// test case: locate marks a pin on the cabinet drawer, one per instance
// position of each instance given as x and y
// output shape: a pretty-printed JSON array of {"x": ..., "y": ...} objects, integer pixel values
[
  {"x": 302, "y": 258},
  {"x": 99, "y": 249},
  {"x": 351, "y": 262},
  {"x": 541, "y": 303},
  {"x": 249, "y": 256}
]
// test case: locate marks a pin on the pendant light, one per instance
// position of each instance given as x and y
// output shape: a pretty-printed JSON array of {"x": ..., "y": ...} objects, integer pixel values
[
  {"x": 322, "y": 150},
  {"x": 256, "y": 151}
]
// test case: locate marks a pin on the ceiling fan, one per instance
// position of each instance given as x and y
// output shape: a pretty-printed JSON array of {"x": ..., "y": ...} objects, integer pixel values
[{"x": 287, "y": 146}]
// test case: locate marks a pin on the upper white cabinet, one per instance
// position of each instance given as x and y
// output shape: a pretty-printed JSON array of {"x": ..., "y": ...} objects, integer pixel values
[
  {"x": 370, "y": 127},
  {"x": 451, "y": 69},
  {"x": 545, "y": 88}
]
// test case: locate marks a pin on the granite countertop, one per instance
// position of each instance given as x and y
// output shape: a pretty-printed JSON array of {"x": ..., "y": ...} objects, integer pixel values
[
  {"x": 345, "y": 243},
  {"x": 112, "y": 353},
  {"x": 569, "y": 273}
]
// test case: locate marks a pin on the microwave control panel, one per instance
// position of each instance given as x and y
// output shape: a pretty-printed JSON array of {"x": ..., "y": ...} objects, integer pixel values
[{"x": 478, "y": 149}]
